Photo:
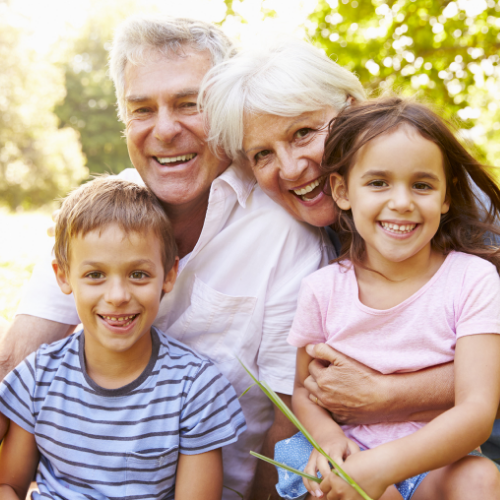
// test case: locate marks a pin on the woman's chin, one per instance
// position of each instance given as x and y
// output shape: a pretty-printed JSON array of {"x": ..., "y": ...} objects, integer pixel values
[{"x": 319, "y": 212}]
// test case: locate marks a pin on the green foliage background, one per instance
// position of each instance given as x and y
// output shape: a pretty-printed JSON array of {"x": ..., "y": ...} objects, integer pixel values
[{"x": 58, "y": 120}]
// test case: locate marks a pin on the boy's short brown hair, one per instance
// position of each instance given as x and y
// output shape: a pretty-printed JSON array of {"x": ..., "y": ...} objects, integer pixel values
[{"x": 110, "y": 200}]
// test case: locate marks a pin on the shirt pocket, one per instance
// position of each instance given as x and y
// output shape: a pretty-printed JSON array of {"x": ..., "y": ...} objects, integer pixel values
[
  {"x": 214, "y": 323},
  {"x": 151, "y": 473}
]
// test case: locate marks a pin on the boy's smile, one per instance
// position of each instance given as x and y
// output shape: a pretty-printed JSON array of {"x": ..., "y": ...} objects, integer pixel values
[{"x": 117, "y": 280}]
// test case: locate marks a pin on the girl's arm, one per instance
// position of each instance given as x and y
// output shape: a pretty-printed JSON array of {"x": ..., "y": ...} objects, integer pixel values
[
  {"x": 319, "y": 423},
  {"x": 199, "y": 476},
  {"x": 448, "y": 437},
  {"x": 18, "y": 461}
]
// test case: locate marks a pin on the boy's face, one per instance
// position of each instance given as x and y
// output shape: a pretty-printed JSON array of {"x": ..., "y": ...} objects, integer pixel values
[{"x": 117, "y": 280}]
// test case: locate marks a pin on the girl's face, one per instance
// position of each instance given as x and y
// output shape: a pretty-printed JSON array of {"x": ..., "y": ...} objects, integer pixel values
[
  {"x": 285, "y": 155},
  {"x": 397, "y": 193}
]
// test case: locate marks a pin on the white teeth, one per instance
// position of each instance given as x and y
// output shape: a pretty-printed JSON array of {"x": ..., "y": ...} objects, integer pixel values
[
  {"x": 309, "y": 187},
  {"x": 398, "y": 228},
  {"x": 173, "y": 159}
]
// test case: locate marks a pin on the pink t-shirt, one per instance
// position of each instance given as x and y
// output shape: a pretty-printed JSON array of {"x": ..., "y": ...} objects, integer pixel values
[{"x": 462, "y": 298}]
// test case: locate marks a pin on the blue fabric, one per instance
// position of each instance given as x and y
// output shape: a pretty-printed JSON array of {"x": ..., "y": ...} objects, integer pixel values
[
  {"x": 295, "y": 452},
  {"x": 118, "y": 443}
]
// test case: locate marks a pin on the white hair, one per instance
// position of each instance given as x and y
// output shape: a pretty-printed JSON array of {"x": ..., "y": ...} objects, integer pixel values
[
  {"x": 287, "y": 79},
  {"x": 138, "y": 38}
]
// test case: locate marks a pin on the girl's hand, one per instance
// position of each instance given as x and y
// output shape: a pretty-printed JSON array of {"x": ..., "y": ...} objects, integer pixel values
[
  {"x": 338, "y": 448},
  {"x": 366, "y": 469}
]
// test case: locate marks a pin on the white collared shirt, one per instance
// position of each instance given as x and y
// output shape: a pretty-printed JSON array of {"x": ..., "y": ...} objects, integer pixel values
[{"x": 235, "y": 297}]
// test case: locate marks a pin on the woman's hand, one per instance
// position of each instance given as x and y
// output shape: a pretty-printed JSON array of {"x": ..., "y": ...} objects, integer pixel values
[{"x": 338, "y": 448}]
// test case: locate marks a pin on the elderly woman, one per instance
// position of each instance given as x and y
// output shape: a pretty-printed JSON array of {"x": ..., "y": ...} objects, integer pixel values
[{"x": 269, "y": 109}]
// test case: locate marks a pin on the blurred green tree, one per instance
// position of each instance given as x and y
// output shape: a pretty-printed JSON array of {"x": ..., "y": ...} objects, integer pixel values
[
  {"x": 446, "y": 51},
  {"x": 89, "y": 105},
  {"x": 38, "y": 160}
]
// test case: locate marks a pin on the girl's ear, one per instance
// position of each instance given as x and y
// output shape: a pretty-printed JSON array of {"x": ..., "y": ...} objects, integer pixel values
[
  {"x": 62, "y": 278},
  {"x": 339, "y": 191}
]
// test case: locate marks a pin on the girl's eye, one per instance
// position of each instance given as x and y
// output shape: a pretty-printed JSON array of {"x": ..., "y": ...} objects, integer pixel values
[
  {"x": 421, "y": 186},
  {"x": 138, "y": 275},
  {"x": 303, "y": 132},
  {"x": 95, "y": 275},
  {"x": 378, "y": 183},
  {"x": 261, "y": 155}
]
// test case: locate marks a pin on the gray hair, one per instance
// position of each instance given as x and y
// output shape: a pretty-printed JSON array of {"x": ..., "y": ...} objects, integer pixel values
[
  {"x": 289, "y": 78},
  {"x": 138, "y": 36}
]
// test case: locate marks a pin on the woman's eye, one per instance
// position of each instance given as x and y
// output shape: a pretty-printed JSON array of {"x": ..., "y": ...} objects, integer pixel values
[
  {"x": 138, "y": 275},
  {"x": 262, "y": 154},
  {"x": 303, "y": 132},
  {"x": 95, "y": 275},
  {"x": 378, "y": 183}
]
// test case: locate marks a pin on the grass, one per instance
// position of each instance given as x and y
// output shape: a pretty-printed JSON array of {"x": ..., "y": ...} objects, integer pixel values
[{"x": 24, "y": 241}]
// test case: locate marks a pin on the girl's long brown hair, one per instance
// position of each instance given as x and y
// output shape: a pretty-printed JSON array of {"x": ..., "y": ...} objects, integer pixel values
[{"x": 468, "y": 226}]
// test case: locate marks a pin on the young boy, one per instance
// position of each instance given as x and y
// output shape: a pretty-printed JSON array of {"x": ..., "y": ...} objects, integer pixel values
[{"x": 118, "y": 410}]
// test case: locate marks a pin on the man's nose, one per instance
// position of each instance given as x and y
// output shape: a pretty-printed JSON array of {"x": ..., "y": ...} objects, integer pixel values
[
  {"x": 117, "y": 292},
  {"x": 401, "y": 199},
  {"x": 292, "y": 166},
  {"x": 166, "y": 127}
]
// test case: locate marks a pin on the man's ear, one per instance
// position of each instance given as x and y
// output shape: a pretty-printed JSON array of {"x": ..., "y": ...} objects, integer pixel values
[
  {"x": 339, "y": 191},
  {"x": 170, "y": 277},
  {"x": 62, "y": 278}
]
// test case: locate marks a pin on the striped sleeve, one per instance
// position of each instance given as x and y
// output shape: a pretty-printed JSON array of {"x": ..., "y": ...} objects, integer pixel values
[
  {"x": 212, "y": 416},
  {"x": 16, "y": 394}
]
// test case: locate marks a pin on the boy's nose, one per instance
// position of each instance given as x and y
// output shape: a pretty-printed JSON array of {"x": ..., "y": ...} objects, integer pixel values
[{"x": 117, "y": 293}]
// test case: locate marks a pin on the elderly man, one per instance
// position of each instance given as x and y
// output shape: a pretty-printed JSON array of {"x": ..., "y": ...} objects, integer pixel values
[{"x": 242, "y": 256}]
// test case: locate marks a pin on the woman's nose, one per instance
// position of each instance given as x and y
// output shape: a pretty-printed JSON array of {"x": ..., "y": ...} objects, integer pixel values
[{"x": 292, "y": 167}]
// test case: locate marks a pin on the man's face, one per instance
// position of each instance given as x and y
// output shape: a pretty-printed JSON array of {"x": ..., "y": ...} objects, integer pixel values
[{"x": 166, "y": 138}]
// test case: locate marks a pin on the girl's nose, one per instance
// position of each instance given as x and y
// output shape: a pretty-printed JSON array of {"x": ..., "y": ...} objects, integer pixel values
[{"x": 401, "y": 200}]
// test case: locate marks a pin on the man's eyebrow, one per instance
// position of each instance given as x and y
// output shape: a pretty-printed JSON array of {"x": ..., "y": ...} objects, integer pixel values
[{"x": 179, "y": 95}]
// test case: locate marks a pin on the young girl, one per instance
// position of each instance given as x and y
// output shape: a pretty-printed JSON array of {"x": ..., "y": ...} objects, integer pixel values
[{"x": 416, "y": 285}]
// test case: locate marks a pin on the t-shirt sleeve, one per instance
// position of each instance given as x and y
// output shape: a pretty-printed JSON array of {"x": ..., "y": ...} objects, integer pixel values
[
  {"x": 479, "y": 308},
  {"x": 307, "y": 327},
  {"x": 17, "y": 392},
  {"x": 212, "y": 416}
]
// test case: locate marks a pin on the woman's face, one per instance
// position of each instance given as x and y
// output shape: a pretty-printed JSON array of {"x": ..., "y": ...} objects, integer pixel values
[{"x": 285, "y": 155}]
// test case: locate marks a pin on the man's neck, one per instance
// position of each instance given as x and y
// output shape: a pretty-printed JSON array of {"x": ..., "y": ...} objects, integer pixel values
[{"x": 187, "y": 223}]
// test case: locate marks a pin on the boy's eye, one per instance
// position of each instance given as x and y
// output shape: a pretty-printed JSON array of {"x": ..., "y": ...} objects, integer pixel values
[
  {"x": 378, "y": 183},
  {"x": 138, "y": 275},
  {"x": 95, "y": 275}
]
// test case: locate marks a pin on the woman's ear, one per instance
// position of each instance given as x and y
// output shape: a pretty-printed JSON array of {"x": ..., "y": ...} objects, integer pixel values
[
  {"x": 62, "y": 278},
  {"x": 339, "y": 191}
]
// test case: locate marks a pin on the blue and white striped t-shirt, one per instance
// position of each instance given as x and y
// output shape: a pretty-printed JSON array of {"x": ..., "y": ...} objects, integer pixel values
[{"x": 101, "y": 444}]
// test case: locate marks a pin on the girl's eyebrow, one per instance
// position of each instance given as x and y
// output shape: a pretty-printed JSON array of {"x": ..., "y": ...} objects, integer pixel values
[
  {"x": 376, "y": 173},
  {"x": 388, "y": 173}
]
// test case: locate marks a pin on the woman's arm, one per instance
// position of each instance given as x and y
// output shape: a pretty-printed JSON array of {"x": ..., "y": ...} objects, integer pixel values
[
  {"x": 356, "y": 394},
  {"x": 449, "y": 436},
  {"x": 18, "y": 461},
  {"x": 199, "y": 476}
]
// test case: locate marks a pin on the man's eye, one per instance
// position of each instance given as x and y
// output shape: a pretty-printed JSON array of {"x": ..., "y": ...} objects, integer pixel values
[
  {"x": 138, "y": 275},
  {"x": 95, "y": 275},
  {"x": 262, "y": 154}
]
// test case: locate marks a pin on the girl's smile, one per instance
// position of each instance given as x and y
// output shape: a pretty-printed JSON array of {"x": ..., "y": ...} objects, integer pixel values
[{"x": 396, "y": 190}]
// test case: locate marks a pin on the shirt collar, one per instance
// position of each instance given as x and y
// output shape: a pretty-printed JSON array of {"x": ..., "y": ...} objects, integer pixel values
[{"x": 240, "y": 180}]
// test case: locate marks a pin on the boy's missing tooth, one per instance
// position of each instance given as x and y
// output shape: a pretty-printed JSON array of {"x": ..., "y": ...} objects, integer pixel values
[{"x": 118, "y": 409}]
